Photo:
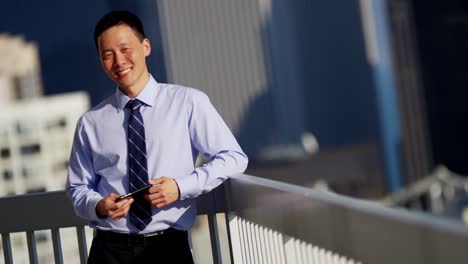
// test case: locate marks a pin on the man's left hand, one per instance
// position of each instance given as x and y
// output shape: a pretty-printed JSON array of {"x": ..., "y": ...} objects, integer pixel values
[{"x": 164, "y": 192}]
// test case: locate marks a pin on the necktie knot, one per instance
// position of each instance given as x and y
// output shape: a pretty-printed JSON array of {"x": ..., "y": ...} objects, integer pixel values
[{"x": 134, "y": 105}]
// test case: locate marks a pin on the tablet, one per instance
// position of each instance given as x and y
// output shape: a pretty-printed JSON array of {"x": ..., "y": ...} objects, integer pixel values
[{"x": 134, "y": 192}]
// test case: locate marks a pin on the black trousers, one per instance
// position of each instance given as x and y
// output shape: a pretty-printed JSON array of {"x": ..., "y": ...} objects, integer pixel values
[{"x": 112, "y": 248}]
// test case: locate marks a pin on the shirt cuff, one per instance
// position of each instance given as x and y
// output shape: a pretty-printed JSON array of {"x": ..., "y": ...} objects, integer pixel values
[{"x": 188, "y": 186}]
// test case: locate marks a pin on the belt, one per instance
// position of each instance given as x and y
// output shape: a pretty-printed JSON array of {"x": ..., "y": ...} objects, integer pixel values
[{"x": 131, "y": 239}]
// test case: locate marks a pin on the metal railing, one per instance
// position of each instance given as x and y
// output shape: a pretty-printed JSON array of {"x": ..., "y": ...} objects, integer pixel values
[
  {"x": 31, "y": 212},
  {"x": 437, "y": 193},
  {"x": 276, "y": 222},
  {"x": 53, "y": 211},
  {"x": 271, "y": 222}
]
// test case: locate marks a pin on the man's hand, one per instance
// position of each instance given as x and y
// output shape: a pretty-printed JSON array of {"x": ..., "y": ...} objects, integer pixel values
[
  {"x": 115, "y": 210},
  {"x": 164, "y": 192}
]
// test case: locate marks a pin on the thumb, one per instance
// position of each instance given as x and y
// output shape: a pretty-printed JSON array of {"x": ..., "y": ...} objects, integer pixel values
[{"x": 113, "y": 195}]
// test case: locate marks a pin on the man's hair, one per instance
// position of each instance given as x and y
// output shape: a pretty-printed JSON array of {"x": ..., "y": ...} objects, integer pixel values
[{"x": 119, "y": 17}]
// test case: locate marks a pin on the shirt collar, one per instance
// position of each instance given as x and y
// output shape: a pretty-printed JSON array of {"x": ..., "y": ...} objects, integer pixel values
[{"x": 147, "y": 95}]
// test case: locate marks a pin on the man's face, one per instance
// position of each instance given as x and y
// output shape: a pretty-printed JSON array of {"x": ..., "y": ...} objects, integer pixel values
[{"x": 123, "y": 57}]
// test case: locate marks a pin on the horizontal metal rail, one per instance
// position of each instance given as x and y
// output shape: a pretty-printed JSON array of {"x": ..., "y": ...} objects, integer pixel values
[
  {"x": 338, "y": 226},
  {"x": 273, "y": 222},
  {"x": 53, "y": 211}
]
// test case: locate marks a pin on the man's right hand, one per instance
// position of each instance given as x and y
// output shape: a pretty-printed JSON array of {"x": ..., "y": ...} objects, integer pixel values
[{"x": 115, "y": 210}]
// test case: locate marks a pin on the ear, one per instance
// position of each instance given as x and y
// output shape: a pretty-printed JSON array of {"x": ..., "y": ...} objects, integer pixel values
[{"x": 147, "y": 47}]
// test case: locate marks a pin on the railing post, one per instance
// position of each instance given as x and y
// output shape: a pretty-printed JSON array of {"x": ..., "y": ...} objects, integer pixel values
[
  {"x": 32, "y": 247},
  {"x": 245, "y": 241},
  {"x": 7, "y": 253},
  {"x": 80, "y": 231},
  {"x": 290, "y": 250},
  {"x": 234, "y": 239},
  {"x": 214, "y": 237},
  {"x": 57, "y": 245}
]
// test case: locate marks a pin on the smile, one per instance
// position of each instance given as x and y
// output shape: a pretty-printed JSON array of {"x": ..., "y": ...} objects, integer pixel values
[{"x": 123, "y": 72}]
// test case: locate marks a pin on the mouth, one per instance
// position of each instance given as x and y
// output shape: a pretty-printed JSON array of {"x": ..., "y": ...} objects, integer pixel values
[{"x": 122, "y": 73}]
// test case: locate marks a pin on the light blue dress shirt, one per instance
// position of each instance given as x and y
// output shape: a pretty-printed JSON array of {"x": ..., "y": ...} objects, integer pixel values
[{"x": 180, "y": 123}]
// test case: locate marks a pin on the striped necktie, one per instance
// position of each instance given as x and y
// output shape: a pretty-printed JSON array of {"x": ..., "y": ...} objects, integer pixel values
[{"x": 140, "y": 210}]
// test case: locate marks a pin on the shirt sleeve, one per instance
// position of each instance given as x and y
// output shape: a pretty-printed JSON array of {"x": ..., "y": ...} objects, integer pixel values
[
  {"x": 82, "y": 181},
  {"x": 210, "y": 136}
]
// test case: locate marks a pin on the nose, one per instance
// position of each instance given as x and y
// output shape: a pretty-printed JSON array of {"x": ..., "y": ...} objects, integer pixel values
[{"x": 119, "y": 59}]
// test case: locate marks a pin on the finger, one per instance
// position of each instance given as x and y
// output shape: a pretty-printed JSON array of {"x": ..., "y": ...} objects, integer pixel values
[
  {"x": 155, "y": 188},
  {"x": 156, "y": 181},
  {"x": 155, "y": 196},
  {"x": 163, "y": 202},
  {"x": 119, "y": 204},
  {"x": 123, "y": 208},
  {"x": 122, "y": 211},
  {"x": 159, "y": 180},
  {"x": 151, "y": 197},
  {"x": 159, "y": 202},
  {"x": 118, "y": 215},
  {"x": 125, "y": 200},
  {"x": 109, "y": 202},
  {"x": 153, "y": 181},
  {"x": 112, "y": 197},
  {"x": 110, "y": 205},
  {"x": 160, "y": 205}
]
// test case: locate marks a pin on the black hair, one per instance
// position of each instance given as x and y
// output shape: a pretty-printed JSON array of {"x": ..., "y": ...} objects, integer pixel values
[{"x": 119, "y": 17}]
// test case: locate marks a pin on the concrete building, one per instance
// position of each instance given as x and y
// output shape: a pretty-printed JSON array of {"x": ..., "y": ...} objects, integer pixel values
[
  {"x": 20, "y": 73},
  {"x": 36, "y": 134},
  {"x": 35, "y": 140},
  {"x": 36, "y": 131}
]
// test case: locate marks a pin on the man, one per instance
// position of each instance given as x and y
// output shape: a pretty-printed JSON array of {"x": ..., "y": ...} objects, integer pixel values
[{"x": 146, "y": 133}]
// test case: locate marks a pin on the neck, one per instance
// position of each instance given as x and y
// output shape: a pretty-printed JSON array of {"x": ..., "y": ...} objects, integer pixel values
[{"x": 135, "y": 89}]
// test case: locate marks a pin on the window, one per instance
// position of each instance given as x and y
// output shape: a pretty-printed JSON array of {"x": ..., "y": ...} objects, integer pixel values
[
  {"x": 4, "y": 153},
  {"x": 30, "y": 149},
  {"x": 56, "y": 124},
  {"x": 7, "y": 175},
  {"x": 23, "y": 127}
]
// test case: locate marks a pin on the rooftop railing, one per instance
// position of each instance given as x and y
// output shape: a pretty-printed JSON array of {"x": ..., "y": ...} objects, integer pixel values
[{"x": 269, "y": 221}]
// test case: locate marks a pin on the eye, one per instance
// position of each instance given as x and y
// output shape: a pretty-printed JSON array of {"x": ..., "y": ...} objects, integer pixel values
[{"x": 106, "y": 56}]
